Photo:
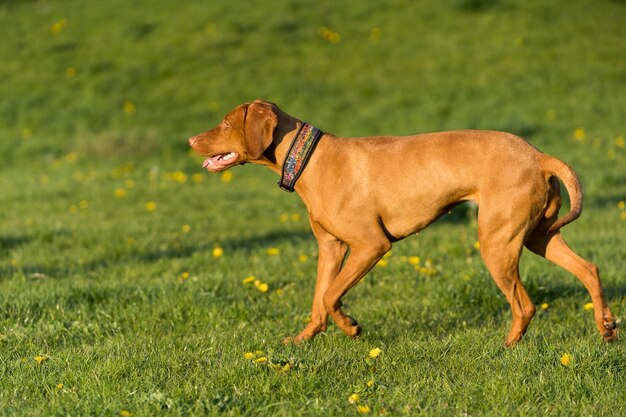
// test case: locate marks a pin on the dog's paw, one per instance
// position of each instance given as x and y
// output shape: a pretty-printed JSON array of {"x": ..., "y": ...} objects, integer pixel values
[{"x": 610, "y": 333}]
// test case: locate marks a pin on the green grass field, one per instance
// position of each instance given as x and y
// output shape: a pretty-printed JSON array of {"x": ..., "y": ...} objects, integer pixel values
[{"x": 122, "y": 262}]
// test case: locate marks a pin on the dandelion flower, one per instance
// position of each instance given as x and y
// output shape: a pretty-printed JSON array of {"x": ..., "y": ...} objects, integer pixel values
[
  {"x": 248, "y": 280},
  {"x": 151, "y": 206},
  {"x": 249, "y": 355},
  {"x": 621, "y": 205},
  {"x": 273, "y": 251},
  {"x": 186, "y": 228},
  {"x": 382, "y": 262},
  {"x": 303, "y": 258},
  {"x": 60, "y": 387},
  {"x": 363, "y": 409},
  {"x": 370, "y": 383},
  {"x": 477, "y": 245},
  {"x": 217, "y": 252},
  {"x": 375, "y": 352},
  {"x": 70, "y": 72},
  {"x": 295, "y": 217},
  {"x": 263, "y": 287},
  {"x": 579, "y": 134},
  {"x": 284, "y": 217},
  {"x": 58, "y": 26},
  {"x": 226, "y": 176},
  {"x": 588, "y": 306},
  {"x": 40, "y": 359},
  {"x": 566, "y": 359},
  {"x": 129, "y": 107},
  {"x": 619, "y": 142},
  {"x": 262, "y": 359},
  {"x": 414, "y": 260},
  {"x": 125, "y": 413},
  {"x": 353, "y": 399},
  {"x": 622, "y": 215},
  {"x": 120, "y": 193},
  {"x": 184, "y": 276},
  {"x": 544, "y": 306}
]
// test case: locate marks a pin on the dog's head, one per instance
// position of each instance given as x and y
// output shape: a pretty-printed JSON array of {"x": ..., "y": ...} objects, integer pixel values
[{"x": 244, "y": 134}]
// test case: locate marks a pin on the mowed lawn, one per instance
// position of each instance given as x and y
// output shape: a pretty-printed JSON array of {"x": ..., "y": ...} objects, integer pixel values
[{"x": 134, "y": 283}]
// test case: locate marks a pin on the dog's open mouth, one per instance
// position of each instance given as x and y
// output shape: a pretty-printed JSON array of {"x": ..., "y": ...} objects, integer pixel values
[{"x": 220, "y": 161}]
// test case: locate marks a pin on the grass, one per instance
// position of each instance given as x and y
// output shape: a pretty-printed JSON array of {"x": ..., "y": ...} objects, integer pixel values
[{"x": 108, "y": 226}]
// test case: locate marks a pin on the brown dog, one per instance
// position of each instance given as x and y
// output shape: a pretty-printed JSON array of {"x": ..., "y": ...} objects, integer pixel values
[{"x": 363, "y": 194}]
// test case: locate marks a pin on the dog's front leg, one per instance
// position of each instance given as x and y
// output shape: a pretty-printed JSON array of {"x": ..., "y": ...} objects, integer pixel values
[
  {"x": 361, "y": 259},
  {"x": 332, "y": 252}
]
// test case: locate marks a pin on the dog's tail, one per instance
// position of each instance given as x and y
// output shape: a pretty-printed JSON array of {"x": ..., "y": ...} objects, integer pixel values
[{"x": 555, "y": 167}]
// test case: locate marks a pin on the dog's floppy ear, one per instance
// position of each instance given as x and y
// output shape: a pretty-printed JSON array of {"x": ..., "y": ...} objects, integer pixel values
[{"x": 259, "y": 125}]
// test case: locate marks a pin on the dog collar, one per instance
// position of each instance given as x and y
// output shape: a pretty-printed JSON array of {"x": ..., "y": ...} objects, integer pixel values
[{"x": 298, "y": 156}]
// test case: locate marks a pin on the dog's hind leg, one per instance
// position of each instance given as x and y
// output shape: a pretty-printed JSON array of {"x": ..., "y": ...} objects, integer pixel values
[
  {"x": 553, "y": 248},
  {"x": 501, "y": 245}
]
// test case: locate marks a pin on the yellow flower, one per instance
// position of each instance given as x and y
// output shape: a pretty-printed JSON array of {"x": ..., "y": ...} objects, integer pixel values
[
  {"x": 184, "y": 276},
  {"x": 27, "y": 133},
  {"x": 353, "y": 399},
  {"x": 263, "y": 287},
  {"x": 226, "y": 176},
  {"x": 621, "y": 205},
  {"x": 566, "y": 359},
  {"x": 477, "y": 245},
  {"x": 58, "y": 26},
  {"x": 363, "y": 409},
  {"x": 579, "y": 134},
  {"x": 273, "y": 251},
  {"x": 217, "y": 252},
  {"x": 60, "y": 387},
  {"x": 414, "y": 260},
  {"x": 619, "y": 141},
  {"x": 186, "y": 228},
  {"x": 125, "y": 413},
  {"x": 622, "y": 215},
  {"x": 374, "y": 35},
  {"x": 120, "y": 193},
  {"x": 382, "y": 262},
  {"x": 178, "y": 176},
  {"x": 284, "y": 217},
  {"x": 40, "y": 359},
  {"x": 303, "y": 258},
  {"x": 151, "y": 206},
  {"x": 295, "y": 217},
  {"x": 588, "y": 306},
  {"x": 375, "y": 352},
  {"x": 370, "y": 383},
  {"x": 544, "y": 306},
  {"x": 249, "y": 355},
  {"x": 262, "y": 359},
  {"x": 248, "y": 280},
  {"x": 129, "y": 107},
  {"x": 70, "y": 72},
  {"x": 387, "y": 255}
]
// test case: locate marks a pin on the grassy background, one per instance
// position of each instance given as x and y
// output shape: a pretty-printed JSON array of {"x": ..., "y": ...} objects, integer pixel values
[{"x": 108, "y": 227}]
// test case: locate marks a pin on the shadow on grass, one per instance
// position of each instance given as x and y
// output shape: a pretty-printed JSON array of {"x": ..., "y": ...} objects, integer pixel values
[{"x": 10, "y": 242}]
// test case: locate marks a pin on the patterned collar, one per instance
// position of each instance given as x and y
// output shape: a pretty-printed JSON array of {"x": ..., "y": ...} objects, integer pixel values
[{"x": 299, "y": 153}]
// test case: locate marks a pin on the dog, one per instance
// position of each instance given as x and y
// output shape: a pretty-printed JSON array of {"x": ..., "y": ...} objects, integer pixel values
[{"x": 363, "y": 194}]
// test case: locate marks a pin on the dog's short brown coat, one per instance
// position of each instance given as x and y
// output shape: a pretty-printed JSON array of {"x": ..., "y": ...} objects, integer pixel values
[{"x": 362, "y": 194}]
